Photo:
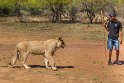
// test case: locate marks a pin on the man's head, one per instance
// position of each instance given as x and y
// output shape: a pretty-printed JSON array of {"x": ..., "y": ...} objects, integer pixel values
[{"x": 112, "y": 16}]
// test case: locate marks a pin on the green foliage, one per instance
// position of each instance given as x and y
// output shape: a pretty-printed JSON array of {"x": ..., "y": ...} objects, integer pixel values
[
  {"x": 9, "y": 7},
  {"x": 7, "y": 3},
  {"x": 31, "y": 3},
  {"x": 58, "y": 1}
]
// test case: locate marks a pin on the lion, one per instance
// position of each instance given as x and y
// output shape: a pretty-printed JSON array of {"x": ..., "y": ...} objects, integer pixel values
[{"x": 46, "y": 48}]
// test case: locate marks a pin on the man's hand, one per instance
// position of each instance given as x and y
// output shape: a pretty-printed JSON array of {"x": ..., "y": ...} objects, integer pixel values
[
  {"x": 121, "y": 42},
  {"x": 104, "y": 24},
  {"x": 121, "y": 36}
]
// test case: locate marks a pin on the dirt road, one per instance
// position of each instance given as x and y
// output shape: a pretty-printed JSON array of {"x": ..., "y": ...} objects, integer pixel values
[{"x": 80, "y": 62}]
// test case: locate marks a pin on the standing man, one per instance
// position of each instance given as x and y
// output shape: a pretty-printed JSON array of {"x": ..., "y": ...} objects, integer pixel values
[{"x": 115, "y": 37}]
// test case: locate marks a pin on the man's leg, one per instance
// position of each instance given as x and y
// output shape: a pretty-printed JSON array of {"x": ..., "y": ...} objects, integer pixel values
[
  {"x": 116, "y": 44},
  {"x": 117, "y": 55},
  {"x": 117, "y": 58},
  {"x": 110, "y": 54},
  {"x": 110, "y": 48}
]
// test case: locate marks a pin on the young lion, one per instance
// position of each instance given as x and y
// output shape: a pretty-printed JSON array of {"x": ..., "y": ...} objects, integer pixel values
[{"x": 46, "y": 48}]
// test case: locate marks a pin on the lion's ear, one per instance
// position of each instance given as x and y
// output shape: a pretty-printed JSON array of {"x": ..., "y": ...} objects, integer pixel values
[{"x": 60, "y": 38}]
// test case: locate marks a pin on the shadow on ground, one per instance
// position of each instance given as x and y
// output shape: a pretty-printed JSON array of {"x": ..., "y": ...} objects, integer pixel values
[{"x": 59, "y": 67}]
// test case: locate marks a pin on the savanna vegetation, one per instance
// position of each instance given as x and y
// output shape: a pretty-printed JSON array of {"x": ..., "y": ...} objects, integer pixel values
[
  {"x": 78, "y": 22},
  {"x": 59, "y": 10}
]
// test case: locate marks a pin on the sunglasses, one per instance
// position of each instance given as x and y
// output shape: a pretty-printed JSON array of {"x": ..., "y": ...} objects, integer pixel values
[{"x": 111, "y": 16}]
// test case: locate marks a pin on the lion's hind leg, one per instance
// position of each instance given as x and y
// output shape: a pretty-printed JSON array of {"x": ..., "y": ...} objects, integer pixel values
[{"x": 15, "y": 58}]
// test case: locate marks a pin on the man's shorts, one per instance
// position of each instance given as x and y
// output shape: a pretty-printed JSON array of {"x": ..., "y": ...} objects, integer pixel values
[{"x": 113, "y": 42}]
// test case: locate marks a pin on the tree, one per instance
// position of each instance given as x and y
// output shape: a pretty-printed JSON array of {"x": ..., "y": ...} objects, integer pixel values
[
  {"x": 72, "y": 13},
  {"x": 93, "y": 7},
  {"x": 90, "y": 11},
  {"x": 6, "y": 7},
  {"x": 73, "y": 8},
  {"x": 56, "y": 8}
]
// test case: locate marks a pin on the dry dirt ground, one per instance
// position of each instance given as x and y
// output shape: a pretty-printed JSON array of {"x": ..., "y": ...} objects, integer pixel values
[{"x": 79, "y": 62}]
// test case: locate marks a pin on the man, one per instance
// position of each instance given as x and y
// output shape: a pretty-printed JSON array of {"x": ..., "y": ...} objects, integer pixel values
[{"x": 114, "y": 28}]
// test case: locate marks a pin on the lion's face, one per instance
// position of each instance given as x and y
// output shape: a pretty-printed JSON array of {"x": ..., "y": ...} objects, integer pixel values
[{"x": 61, "y": 43}]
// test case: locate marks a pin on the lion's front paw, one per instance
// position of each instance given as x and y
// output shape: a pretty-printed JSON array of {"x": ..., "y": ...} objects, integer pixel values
[
  {"x": 54, "y": 68},
  {"x": 13, "y": 66},
  {"x": 28, "y": 67},
  {"x": 48, "y": 67}
]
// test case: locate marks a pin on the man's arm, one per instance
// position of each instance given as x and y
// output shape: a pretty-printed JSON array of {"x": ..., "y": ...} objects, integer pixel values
[
  {"x": 121, "y": 33},
  {"x": 121, "y": 36},
  {"x": 105, "y": 25}
]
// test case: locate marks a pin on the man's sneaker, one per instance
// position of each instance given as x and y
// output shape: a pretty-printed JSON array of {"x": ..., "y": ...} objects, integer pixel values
[
  {"x": 110, "y": 62},
  {"x": 117, "y": 62}
]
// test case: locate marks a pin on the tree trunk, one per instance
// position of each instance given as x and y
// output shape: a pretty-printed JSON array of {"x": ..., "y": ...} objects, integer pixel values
[
  {"x": 56, "y": 13},
  {"x": 17, "y": 8}
]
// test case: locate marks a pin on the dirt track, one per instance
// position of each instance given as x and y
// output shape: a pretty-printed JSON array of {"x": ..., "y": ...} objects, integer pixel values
[{"x": 80, "y": 62}]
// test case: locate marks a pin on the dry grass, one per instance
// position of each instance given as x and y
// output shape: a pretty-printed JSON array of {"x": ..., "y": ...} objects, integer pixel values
[{"x": 76, "y": 30}]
